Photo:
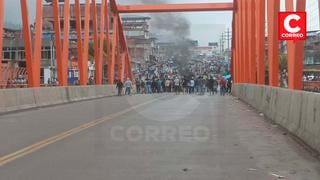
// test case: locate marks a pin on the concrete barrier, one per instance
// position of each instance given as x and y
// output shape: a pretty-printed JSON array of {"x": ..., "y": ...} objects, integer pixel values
[
  {"x": 297, "y": 111},
  {"x": 50, "y": 96},
  {"x": 16, "y": 99},
  {"x": 25, "y": 98}
]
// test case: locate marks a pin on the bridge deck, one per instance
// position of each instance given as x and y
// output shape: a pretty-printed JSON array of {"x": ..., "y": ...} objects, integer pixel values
[{"x": 150, "y": 137}]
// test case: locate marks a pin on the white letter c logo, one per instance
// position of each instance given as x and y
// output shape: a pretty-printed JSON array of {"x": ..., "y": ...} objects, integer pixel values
[{"x": 287, "y": 21}]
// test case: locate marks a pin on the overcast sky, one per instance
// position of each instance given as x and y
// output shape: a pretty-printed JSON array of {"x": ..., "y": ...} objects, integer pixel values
[{"x": 205, "y": 26}]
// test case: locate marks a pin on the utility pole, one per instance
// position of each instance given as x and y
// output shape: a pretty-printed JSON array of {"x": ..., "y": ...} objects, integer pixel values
[
  {"x": 221, "y": 44},
  {"x": 227, "y": 37}
]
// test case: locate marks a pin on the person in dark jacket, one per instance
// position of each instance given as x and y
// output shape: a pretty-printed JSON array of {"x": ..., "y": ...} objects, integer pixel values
[
  {"x": 210, "y": 86},
  {"x": 229, "y": 86},
  {"x": 138, "y": 86},
  {"x": 215, "y": 86},
  {"x": 119, "y": 86}
]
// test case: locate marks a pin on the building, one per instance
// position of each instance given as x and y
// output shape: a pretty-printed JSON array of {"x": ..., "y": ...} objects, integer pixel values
[
  {"x": 48, "y": 35},
  {"x": 312, "y": 56},
  {"x": 204, "y": 50},
  {"x": 139, "y": 39},
  {"x": 140, "y": 42},
  {"x": 14, "y": 52},
  {"x": 215, "y": 46}
]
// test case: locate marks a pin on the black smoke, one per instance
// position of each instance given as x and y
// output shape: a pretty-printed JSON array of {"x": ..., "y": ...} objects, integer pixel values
[{"x": 178, "y": 27}]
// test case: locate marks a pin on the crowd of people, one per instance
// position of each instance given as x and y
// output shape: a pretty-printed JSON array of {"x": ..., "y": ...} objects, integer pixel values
[
  {"x": 200, "y": 85},
  {"x": 200, "y": 75}
]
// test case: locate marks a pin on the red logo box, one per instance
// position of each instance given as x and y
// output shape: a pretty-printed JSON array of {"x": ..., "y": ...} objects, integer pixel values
[{"x": 292, "y": 26}]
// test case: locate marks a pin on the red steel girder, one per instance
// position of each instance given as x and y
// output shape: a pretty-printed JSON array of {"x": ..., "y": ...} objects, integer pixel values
[
  {"x": 108, "y": 46},
  {"x": 236, "y": 41},
  {"x": 122, "y": 39},
  {"x": 65, "y": 47},
  {"x": 101, "y": 40},
  {"x": 260, "y": 28},
  {"x": 252, "y": 42},
  {"x": 37, "y": 43},
  {"x": 295, "y": 52},
  {"x": 192, "y": 7},
  {"x": 77, "y": 14},
  {"x": 123, "y": 66},
  {"x": 111, "y": 66},
  {"x": 27, "y": 41},
  {"x": 33, "y": 58},
  {"x": 57, "y": 30},
  {"x": 242, "y": 42},
  {"x": 245, "y": 34},
  {"x": 273, "y": 7},
  {"x": 298, "y": 84},
  {"x": 126, "y": 50},
  {"x": 84, "y": 63},
  {"x": 118, "y": 56},
  {"x": 233, "y": 54},
  {"x": 83, "y": 46},
  {"x": 62, "y": 49},
  {"x": 95, "y": 39}
]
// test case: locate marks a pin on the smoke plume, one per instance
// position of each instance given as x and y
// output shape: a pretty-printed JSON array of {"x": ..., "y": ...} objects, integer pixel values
[
  {"x": 173, "y": 23},
  {"x": 179, "y": 27}
]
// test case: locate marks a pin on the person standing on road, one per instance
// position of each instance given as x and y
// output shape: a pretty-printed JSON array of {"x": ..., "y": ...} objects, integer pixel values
[
  {"x": 210, "y": 86},
  {"x": 128, "y": 86},
  {"x": 197, "y": 85},
  {"x": 158, "y": 85},
  {"x": 223, "y": 84},
  {"x": 154, "y": 86},
  {"x": 215, "y": 86},
  {"x": 202, "y": 84},
  {"x": 176, "y": 85},
  {"x": 185, "y": 85},
  {"x": 163, "y": 85},
  {"x": 148, "y": 86},
  {"x": 119, "y": 86},
  {"x": 138, "y": 86},
  {"x": 192, "y": 84},
  {"x": 142, "y": 87},
  {"x": 168, "y": 85},
  {"x": 229, "y": 86}
]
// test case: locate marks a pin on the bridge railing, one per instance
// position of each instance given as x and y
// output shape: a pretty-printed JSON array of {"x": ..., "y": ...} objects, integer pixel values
[
  {"x": 296, "y": 111},
  {"x": 116, "y": 48},
  {"x": 255, "y": 25}
]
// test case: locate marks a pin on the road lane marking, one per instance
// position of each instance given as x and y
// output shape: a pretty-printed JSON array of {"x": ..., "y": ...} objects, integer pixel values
[{"x": 41, "y": 144}]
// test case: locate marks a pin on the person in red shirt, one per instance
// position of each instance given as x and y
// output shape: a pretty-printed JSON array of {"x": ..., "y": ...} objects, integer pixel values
[{"x": 223, "y": 86}]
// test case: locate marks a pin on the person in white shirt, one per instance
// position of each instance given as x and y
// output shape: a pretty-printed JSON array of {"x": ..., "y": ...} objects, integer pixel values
[
  {"x": 176, "y": 83},
  {"x": 192, "y": 84},
  {"x": 128, "y": 86}
]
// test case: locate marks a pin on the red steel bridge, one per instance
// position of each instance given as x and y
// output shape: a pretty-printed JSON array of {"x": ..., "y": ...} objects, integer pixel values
[
  {"x": 248, "y": 46},
  {"x": 87, "y": 132}
]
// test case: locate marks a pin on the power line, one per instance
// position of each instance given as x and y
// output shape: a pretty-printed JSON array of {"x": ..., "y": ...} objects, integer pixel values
[{"x": 227, "y": 36}]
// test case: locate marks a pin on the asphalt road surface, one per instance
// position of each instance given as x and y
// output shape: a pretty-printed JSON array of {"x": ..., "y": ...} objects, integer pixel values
[{"x": 150, "y": 137}]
